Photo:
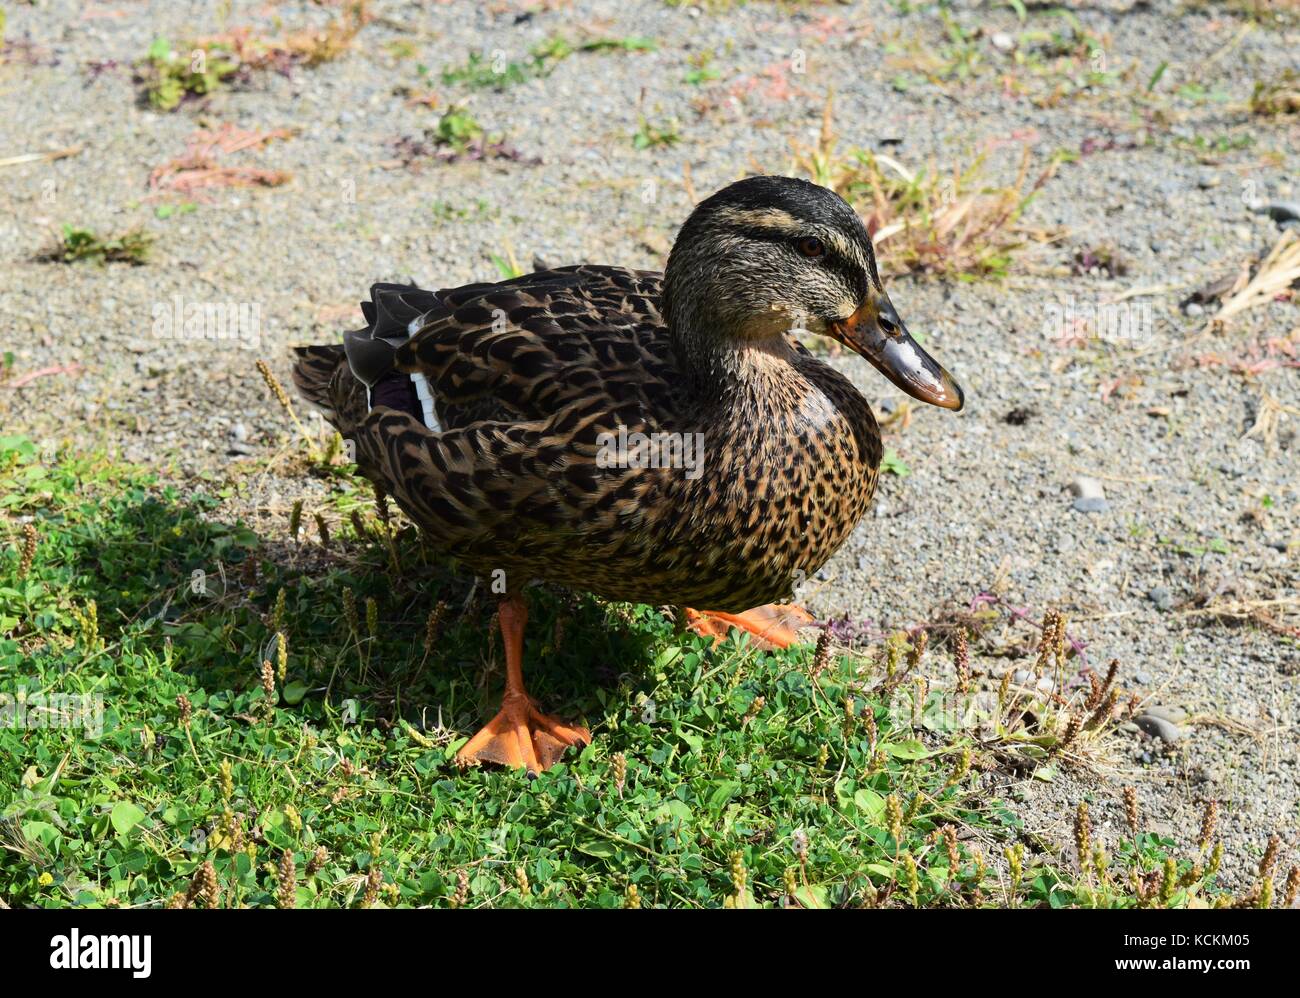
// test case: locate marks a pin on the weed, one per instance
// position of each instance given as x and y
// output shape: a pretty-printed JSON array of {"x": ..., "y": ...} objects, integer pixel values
[
  {"x": 651, "y": 135},
  {"x": 203, "y": 165},
  {"x": 170, "y": 76},
  {"x": 493, "y": 72},
  {"x": 925, "y": 220},
  {"x": 1277, "y": 97},
  {"x": 76, "y": 244}
]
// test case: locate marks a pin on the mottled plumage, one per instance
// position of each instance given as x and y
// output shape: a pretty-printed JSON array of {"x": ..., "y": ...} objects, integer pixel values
[
  {"x": 789, "y": 458},
  {"x": 533, "y": 378}
]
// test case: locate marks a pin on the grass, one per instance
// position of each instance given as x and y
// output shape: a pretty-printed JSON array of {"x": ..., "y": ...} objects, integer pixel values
[
  {"x": 1051, "y": 58},
  {"x": 279, "y": 719},
  {"x": 656, "y": 134},
  {"x": 497, "y": 72},
  {"x": 76, "y": 244},
  {"x": 931, "y": 221},
  {"x": 1277, "y": 96},
  {"x": 170, "y": 76}
]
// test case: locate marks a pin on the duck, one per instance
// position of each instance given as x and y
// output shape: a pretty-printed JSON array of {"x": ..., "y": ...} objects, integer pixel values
[{"x": 656, "y": 438}]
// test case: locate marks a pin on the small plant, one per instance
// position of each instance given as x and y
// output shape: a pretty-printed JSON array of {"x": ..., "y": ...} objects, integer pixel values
[
  {"x": 76, "y": 244},
  {"x": 892, "y": 464},
  {"x": 1277, "y": 97},
  {"x": 926, "y": 220},
  {"x": 650, "y": 135},
  {"x": 557, "y": 47},
  {"x": 456, "y": 129},
  {"x": 498, "y": 72},
  {"x": 170, "y": 77},
  {"x": 447, "y": 211},
  {"x": 456, "y": 135},
  {"x": 493, "y": 72},
  {"x": 702, "y": 71},
  {"x": 506, "y": 264}
]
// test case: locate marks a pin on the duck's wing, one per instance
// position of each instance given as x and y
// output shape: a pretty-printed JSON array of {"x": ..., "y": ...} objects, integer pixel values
[
  {"x": 527, "y": 348},
  {"x": 525, "y": 375}
]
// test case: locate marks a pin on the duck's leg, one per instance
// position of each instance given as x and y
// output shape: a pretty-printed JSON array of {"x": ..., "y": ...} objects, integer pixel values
[
  {"x": 520, "y": 735},
  {"x": 775, "y": 625}
]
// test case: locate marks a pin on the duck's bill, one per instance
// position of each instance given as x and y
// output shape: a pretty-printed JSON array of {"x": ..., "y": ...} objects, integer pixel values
[{"x": 889, "y": 346}]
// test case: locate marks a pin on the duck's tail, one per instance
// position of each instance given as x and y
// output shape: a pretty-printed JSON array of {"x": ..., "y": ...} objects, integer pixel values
[
  {"x": 345, "y": 380},
  {"x": 323, "y": 378}
]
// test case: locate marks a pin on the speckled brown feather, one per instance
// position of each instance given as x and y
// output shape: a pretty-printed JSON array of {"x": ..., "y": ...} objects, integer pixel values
[{"x": 528, "y": 373}]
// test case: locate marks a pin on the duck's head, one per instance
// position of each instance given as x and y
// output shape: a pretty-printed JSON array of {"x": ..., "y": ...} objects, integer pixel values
[{"x": 771, "y": 255}]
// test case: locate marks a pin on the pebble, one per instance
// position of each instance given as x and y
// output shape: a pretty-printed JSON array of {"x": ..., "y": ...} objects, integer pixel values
[
  {"x": 1002, "y": 41},
  {"x": 1023, "y": 677},
  {"x": 1091, "y": 505},
  {"x": 1174, "y": 715},
  {"x": 1091, "y": 497},
  {"x": 1087, "y": 488},
  {"x": 1142, "y": 678},
  {"x": 1207, "y": 180},
  {"x": 237, "y": 442},
  {"x": 1161, "y": 597},
  {"x": 1158, "y": 727},
  {"x": 1193, "y": 309}
]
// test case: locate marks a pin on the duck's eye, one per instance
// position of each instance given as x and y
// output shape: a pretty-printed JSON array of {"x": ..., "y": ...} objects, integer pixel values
[{"x": 811, "y": 247}]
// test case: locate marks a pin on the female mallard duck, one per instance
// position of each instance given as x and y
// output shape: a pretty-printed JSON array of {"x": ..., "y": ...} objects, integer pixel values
[{"x": 659, "y": 439}]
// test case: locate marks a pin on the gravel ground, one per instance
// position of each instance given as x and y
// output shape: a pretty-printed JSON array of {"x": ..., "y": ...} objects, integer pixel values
[{"x": 1200, "y": 485}]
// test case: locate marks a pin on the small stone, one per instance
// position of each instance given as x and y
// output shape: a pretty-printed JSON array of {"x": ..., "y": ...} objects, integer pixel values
[
  {"x": 1174, "y": 715},
  {"x": 1002, "y": 41},
  {"x": 1142, "y": 678},
  {"x": 1158, "y": 727},
  {"x": 1092, "y": 504},
  {"x": 1087, "y": 488},
  {"x": 238, "y": 431},
  {"x": 1193, "y": 309},
  {"x": 1161, "y": 597},
  {"x": 1207, "y": 180}
]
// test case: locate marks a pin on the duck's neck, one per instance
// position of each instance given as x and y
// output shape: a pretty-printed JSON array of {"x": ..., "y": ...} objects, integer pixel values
[{"x": 722, "y": 368}]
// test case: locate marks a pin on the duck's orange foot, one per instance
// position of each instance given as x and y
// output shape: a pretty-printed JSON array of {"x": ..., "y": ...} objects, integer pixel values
[
  {"x": 522, "y": 737},
  {"x": 775, "y": 625}
]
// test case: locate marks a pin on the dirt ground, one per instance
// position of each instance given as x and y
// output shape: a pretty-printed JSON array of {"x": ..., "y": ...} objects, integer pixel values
[{"x": 1185, "y": 570}]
